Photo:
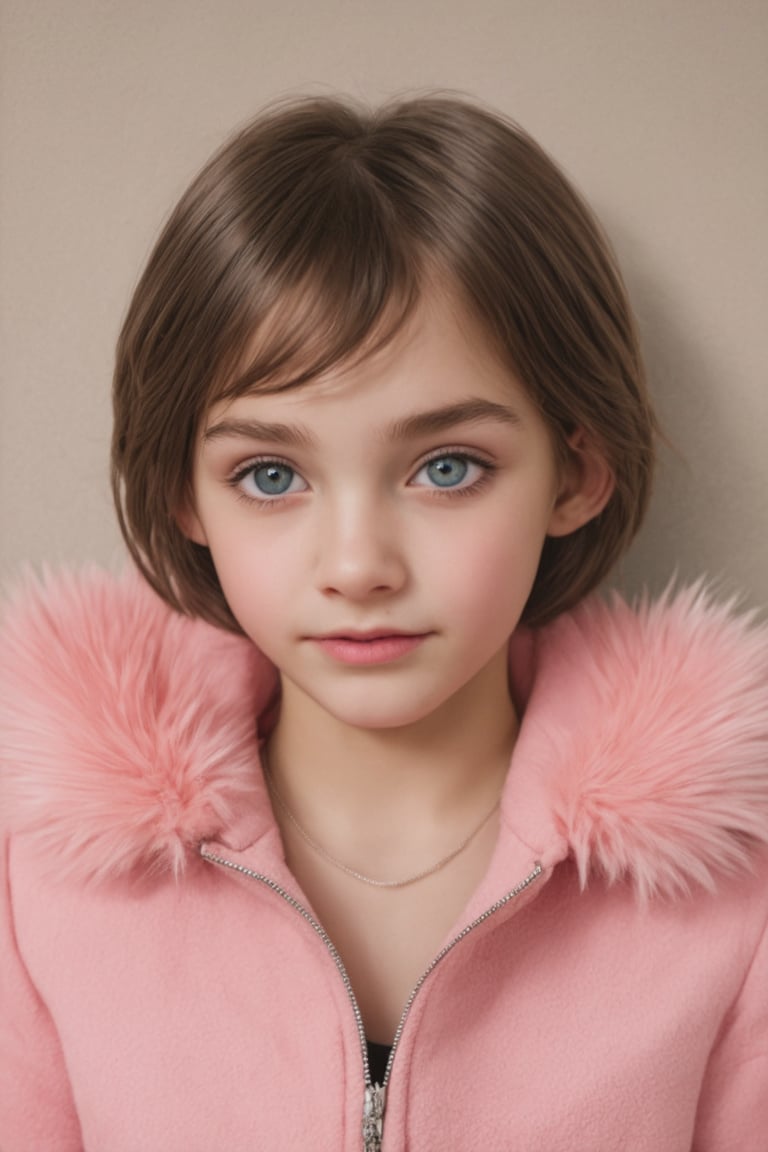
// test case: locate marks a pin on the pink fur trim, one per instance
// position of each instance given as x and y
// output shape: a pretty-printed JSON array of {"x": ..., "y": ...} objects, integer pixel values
[
  {"x": 658, "y": 743},
  {"x": 127, "y": 730}
]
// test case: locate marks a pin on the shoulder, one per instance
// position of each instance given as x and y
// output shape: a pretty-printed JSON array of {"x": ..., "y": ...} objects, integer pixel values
[
  {"x": 127, "y": 731},
  {"x": 649, "y": 728}
]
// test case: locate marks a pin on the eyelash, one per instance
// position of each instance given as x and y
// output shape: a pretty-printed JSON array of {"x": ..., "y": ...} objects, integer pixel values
[
  {"x": 487, "y": 471},
  {"x": 235, "y": 479}
]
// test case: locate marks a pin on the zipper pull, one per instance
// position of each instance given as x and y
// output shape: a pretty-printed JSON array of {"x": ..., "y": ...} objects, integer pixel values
[{"x": 373, "y": 1117}]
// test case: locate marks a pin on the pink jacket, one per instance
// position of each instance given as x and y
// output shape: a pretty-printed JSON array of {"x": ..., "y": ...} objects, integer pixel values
[{"x": 165, "y": 986}]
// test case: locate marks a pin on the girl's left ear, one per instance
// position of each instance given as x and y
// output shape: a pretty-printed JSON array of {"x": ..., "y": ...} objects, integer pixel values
[{"x": 586, "y": 485}]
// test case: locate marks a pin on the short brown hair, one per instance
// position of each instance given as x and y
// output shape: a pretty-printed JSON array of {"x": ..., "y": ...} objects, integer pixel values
[{"x": 327, "y": 219}]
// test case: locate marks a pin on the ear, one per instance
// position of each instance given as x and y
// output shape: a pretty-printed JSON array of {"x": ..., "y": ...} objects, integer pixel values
[
  {"x": 189, "y": 522},
  {"x": 586, "y": 485}
]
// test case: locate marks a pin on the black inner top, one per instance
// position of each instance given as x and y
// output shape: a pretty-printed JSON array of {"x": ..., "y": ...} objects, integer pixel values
[{"x": 378, "y": 1054}]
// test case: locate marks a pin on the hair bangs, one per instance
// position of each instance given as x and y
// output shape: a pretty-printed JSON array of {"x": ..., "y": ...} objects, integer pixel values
[
  {"x": 342, "y": 278},
  {"x": 312, "y": 330}
]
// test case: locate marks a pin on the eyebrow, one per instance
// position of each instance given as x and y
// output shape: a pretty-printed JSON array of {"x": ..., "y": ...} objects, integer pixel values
[
  {"x": 471, "y": 411},
  {"x": 290, "y": 434}
]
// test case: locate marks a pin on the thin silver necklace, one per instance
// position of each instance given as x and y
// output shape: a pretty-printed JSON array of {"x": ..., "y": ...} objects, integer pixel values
[{"x": 318, "y": 848}]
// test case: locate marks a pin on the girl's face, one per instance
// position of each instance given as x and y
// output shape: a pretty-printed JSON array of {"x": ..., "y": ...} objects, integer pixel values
[{"x": 377, "y": 532}]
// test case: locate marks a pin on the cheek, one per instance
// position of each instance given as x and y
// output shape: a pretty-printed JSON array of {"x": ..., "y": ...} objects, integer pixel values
[
  {"x": 493, "y": 585},
  {"x": 487, "y": 574},
  {"x": 255, "y": 576}
]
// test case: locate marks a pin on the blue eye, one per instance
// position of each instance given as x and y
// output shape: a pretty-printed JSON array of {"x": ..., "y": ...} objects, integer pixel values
[
  {"x": 457, "y": 472},
  {"x": 267, "y": 480},
  {"x": 447, "y": 471},
  {"x": 273, "y": 479}
]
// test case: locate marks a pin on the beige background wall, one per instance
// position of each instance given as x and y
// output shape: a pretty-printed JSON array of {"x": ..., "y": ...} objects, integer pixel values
[{"x": 657, "y": 108}]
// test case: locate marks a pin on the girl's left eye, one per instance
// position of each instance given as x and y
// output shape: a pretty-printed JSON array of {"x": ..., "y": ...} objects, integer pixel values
[{"x": 451, "y": 470}]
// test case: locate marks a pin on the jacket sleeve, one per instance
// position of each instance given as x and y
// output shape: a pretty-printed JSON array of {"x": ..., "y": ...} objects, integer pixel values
[
  {"x": 36, "y": 1106},
  {"x": 733, "y": 1110}
]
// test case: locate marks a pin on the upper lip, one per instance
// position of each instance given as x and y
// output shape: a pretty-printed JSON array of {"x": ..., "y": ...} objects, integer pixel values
[{"x": 365, "y": 634}]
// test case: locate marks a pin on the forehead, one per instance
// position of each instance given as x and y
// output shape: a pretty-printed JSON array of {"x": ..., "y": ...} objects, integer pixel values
[
  {"x": 312, "y": 336},
  {"x": 437, "y": 358}
]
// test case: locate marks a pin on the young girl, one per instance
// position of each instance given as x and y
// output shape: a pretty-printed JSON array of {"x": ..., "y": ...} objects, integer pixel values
[{"x": 352, "y": 823}]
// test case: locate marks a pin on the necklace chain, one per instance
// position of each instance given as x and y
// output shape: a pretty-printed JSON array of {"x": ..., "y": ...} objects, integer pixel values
[{"x": 403, "y": 883}]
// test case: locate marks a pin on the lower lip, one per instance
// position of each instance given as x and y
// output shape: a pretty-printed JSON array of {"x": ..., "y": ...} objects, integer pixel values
[{"x": 381, "y": 650}]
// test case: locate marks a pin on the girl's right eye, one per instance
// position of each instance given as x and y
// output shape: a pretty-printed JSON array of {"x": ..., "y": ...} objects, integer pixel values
[{"x": 267, "y": 480}]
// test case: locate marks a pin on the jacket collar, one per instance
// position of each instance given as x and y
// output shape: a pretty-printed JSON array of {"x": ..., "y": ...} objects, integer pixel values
[{"x": 128, "y": 737}]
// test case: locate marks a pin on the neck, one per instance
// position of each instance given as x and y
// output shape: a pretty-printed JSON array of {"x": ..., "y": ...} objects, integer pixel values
[{"x": 450, "y": 766}]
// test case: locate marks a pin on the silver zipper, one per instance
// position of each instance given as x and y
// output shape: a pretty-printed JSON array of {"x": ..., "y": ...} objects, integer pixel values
[
  {"x": 514, "y": 892},
  {"x": 375, "y": 1094}
]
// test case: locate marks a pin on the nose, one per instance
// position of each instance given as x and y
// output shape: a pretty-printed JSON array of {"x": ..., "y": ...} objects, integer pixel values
[{"x": 360, "y": 552}]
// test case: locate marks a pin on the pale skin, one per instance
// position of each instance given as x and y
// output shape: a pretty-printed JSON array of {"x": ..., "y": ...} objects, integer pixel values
[{"x": 410, "y": 491}]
